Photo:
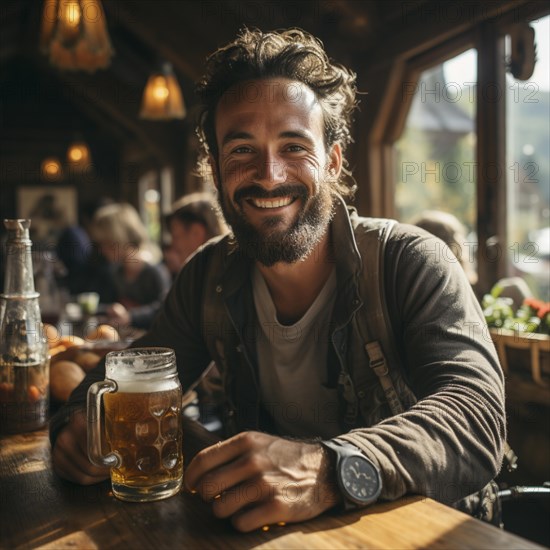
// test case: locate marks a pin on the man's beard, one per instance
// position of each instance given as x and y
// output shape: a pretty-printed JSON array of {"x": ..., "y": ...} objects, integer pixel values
[{"x": 270, "y": 245}]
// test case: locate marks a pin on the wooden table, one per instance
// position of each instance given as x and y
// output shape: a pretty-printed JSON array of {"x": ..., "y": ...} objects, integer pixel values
[{"x": 38, "y": 510}]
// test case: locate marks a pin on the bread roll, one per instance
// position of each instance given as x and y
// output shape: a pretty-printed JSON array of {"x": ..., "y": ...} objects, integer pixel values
[{"x": 64, "y": 378}]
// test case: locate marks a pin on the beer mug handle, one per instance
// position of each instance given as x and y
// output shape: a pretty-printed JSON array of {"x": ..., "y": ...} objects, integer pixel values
[{"x": 96, "y": 390}]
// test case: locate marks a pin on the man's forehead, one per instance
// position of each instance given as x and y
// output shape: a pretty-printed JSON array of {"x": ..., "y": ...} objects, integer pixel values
[{"x": 272, "y": 90}]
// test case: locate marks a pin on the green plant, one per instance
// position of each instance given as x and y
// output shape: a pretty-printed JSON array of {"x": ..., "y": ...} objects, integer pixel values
[{"x": 532, "y": 316}]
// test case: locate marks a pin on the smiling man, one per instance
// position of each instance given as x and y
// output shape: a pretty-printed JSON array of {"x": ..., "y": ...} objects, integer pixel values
[
  {"x": 274, "y": 167},
  {"x": 318, "y": 413}
]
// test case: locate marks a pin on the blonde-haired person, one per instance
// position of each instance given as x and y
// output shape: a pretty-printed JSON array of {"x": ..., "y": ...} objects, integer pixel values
[{"x": 140, "y": 281}]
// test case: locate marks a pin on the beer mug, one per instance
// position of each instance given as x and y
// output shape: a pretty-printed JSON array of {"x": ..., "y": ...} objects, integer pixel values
[{"x": 143, "y": 425}]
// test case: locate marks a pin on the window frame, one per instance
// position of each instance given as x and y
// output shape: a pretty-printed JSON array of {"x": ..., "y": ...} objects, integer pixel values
[{"x": 488, "y": 38}]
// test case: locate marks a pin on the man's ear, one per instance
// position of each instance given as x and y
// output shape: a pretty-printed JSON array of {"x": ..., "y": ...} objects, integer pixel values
[
  {"x": 334, "y": 160},
  {"x": 214, "y": 169}
]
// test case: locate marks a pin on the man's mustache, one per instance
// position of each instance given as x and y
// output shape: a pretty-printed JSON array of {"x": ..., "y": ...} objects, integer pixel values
[{"x": 258, "y": 192}]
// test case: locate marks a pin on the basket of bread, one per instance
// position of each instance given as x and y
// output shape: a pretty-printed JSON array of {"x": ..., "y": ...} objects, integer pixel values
[{"x": 71, "y": 357}]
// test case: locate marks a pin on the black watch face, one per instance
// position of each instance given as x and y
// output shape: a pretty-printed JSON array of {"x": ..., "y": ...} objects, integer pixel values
[{"x": 359, "y": 479}]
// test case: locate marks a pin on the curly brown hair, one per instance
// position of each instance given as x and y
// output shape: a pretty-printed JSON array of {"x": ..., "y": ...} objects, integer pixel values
[{"x": 293, "y": 54}]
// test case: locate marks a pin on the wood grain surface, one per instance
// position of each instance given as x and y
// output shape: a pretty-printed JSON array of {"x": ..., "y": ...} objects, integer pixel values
[{"x": 38, "y": 510}]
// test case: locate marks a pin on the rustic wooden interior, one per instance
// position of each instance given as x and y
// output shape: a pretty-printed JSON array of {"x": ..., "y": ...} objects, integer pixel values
[{"x": 386, "y": 43}]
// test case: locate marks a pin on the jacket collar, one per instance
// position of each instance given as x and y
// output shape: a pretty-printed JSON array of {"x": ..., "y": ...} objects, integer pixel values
[
  {"x": 348, "y": 263},
  {"x": 348, "y": 259}
]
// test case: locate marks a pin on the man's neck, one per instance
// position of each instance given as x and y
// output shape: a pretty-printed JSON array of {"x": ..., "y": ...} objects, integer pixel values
[{"x": 295, "y": 286}]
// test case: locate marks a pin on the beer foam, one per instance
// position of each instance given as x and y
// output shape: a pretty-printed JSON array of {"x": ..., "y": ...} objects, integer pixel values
[{"x": 145, "y": 386}]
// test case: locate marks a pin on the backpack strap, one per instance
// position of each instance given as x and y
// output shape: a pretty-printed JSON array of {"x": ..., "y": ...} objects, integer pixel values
[
  {"x": 375, "y": 325},
  {"x": 378, "y": 363}
]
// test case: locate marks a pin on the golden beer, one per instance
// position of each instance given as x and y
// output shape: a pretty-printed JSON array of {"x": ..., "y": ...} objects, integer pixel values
[
  {"x": 143, "y": 425},
  {"x": 145, "y": 430}
]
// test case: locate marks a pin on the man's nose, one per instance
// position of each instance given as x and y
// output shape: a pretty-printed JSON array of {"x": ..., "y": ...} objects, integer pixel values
[{"x": 271, "y": 170}]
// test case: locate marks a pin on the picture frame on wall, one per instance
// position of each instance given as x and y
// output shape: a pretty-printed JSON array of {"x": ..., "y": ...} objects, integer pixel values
[{"x": 49, "y": 208}]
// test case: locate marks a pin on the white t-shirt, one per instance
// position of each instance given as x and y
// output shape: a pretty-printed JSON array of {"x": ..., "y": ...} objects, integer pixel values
[{"x": 292, "y": 362}]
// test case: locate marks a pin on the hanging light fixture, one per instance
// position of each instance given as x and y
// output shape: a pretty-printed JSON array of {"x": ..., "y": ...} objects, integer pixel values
[
  {"x": 74, "y": 34},
  {"x": 51, "y": 169},
  {"x": 78, "y": 155},
  {"x": 162, "y": 98}
]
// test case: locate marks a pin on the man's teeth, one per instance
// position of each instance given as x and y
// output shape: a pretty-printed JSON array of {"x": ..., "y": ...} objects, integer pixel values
[{"x": 272, "y": 203}]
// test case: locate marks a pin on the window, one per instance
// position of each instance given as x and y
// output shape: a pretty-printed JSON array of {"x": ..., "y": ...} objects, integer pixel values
[
  {"x": 436, "y": 153},
  {"x": 436, "y": 160},
  {"x": 150, "y": 204},
  {"x": 528, "y": 168},
  {"x": 435, "y": 156}
]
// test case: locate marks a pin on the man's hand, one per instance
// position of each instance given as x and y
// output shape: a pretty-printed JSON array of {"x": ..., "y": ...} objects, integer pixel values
[
  {"x": 257, "y": 479},
  {"x": 70, "y": 453}
]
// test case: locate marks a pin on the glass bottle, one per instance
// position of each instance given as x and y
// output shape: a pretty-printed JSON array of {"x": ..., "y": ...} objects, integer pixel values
[{"x": 24, "y": 357}]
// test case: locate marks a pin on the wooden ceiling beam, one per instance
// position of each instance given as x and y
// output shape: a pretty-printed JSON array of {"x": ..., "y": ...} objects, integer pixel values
[
  {"x": 439, "y": 21},
  {"x": 153, "y": 36}
]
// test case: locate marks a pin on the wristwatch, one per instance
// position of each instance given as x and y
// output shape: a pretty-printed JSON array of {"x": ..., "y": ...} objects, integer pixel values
[{"x": 358, "y": 477}]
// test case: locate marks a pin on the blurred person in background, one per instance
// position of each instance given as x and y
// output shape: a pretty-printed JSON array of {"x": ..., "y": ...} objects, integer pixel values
[
  {"x": 139, "y": 279},
  {"x": 86, "y": 270},
  {"x": 193, "y": 221},
  {"x": 171, "y": 260},
  {"x": 452, "y": 232}
]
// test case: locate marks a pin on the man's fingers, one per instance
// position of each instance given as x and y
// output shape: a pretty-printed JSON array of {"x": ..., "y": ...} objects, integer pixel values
[
  {"x": 70, "y": 454},
  {"x": 69, "y": 471},
  {"x": 268, "y": 513},
  {"x": 73, "y": 467},
  {"x": 239, "y": 496},
  {"x": 245, "y": 468},
  {"x": 213, "y": 457},
  {"x": 258, "y": 480},
  {"x": 75, "y": 461}
]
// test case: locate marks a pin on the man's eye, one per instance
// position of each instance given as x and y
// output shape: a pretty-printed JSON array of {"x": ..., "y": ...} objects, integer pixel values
[
  {"x": 242, "y": 150},
  {"x": 295, "y": 148}
]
